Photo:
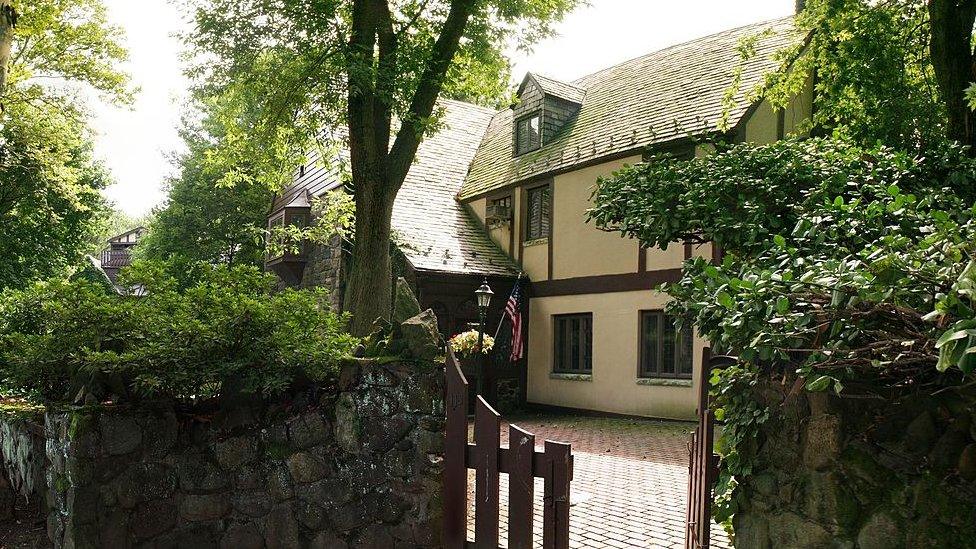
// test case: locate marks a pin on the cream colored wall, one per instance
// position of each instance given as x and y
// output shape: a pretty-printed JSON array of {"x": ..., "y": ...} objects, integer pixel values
[
  {"x": 761, "y": 126},
  {"x": 579, "y": 248},
  {"x": 613, "y": 385},
  {"x": 799, "y": 109},
  {"x": 535, "y": 260}
]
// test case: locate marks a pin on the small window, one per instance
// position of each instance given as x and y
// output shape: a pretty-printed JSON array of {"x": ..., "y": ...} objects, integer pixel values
[
  {"x": 527, "y": 134},
  {"x": 538, "y": 213},
  {"x": 573, "y": 343},
  {"x": 665, "y": 351},
  {"x": 503, "y": 202},
  {"x": 276, "y": 243}
]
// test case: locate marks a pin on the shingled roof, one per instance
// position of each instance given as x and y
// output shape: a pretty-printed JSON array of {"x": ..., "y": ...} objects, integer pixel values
[
  {"x": 433, "y": 230},
  {"x": 556, "y": 88},
  {"x": 659, "y": 97}
]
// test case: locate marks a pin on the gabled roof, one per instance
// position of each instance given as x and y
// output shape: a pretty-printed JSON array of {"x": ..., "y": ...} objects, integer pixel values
[
  {"x": 553, "y": 87},
  {"x": 659, "y": 97},
  {"x": 433, "y": 230}
]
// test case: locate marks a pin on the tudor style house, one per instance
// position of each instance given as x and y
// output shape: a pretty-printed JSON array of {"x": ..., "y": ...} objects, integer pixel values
[{"x": 497, "y": 193}]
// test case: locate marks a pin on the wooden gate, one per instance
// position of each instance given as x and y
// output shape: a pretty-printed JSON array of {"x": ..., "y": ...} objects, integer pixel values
[
  {"x": 702, "y": 461},
  {"x": 521, "y": 461}
]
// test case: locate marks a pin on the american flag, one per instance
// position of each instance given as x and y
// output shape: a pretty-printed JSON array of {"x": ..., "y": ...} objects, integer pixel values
[{"x": 514, "y": 313}]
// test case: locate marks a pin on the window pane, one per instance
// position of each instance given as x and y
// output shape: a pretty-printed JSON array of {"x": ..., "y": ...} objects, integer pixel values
[
  {"x": 668, "y": 347},
  {"x": 572, "y": 345},
  {"x": 650, "y": 343},
  {"x": 686, "y": 350},
  {"x": 534, "y": 136},
  {"x": 588, "y": 343}
]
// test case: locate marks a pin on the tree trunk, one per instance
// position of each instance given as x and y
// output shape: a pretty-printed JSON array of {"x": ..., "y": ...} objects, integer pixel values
[
  {"x": 950, "y": 46},
  {"x": 8, "y": 20},
  {"x": 368, "y": 286}
]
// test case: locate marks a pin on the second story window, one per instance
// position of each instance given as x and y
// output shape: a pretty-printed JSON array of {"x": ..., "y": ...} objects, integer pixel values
[
  {"x": 528, "y": 136},
  {"x": 538, "y": 213}
]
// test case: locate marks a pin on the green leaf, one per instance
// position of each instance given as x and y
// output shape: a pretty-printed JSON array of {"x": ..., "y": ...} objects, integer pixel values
[
  {"x": 819, "y": 384},
  {"x": 779, "y": 240},
  {"x": 782, "y": 305},
  {"x": 724, "y": 300}
]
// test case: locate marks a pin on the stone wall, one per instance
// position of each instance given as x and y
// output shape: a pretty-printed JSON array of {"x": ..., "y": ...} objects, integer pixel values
[
  {"x": 324, "y": 268},
  {"x": 860, "y": 473},
  {"x": 359, "y": 466},
  {"x": 21, "y": 460}
]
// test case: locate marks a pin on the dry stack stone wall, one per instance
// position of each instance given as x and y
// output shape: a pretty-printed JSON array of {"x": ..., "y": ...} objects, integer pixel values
[
  {"x": 357, "y": 467},
  {"x": 860, "y": 473}
]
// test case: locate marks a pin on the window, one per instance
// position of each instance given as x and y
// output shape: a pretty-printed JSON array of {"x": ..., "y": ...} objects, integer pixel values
[
  {"x": 275, "y": 239},
  {"x": 503, "y": 202},
  {"x": 573, "y": 343},
  {"x": 665, "y": 351},
  {"x": 527, "y": 134},
  {"x": 537, "y": 213}
]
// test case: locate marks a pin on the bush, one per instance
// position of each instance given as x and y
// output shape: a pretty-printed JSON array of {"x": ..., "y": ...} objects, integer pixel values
[{"x": 226, "y": 331}]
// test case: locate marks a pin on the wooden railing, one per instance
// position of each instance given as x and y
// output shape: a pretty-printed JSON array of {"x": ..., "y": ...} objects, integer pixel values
[{"x": 521, "y": 461}]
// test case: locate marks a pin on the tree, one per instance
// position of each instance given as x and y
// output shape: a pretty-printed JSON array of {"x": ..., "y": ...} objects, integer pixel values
[
  {"x": 202, "y": 220},
  {"x": 8, "y": 20},
  {"x": 375, "y": 66},
  {"x": 50, "y": 204},
  {"x": 894, "y": 71}
]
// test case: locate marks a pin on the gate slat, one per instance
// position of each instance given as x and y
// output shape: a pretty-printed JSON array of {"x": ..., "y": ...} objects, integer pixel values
[
  {"x": 487, "y": 438},
  {"x": 521, "y": 488},
  {"x": 555, "y": 530},
  {"x": 455, "y": 453}
]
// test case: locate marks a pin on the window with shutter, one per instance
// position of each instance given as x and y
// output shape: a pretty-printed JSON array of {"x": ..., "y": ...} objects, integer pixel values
[{"x": 538, "y": 213}]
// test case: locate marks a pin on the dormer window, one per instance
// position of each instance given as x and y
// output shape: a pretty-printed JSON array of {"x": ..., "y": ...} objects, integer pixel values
[{"x": 528, "y": 136}]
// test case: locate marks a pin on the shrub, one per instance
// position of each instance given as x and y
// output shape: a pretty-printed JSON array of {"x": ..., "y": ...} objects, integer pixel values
[{"x": 225, "y": 331}]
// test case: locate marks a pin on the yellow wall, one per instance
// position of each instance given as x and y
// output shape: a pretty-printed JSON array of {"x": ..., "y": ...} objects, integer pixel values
[
  {"x": 762, "y": 126},
  {"x": 579, "y": 248},
  {"x": 613, "y": 385},
  {"x": 535, "y": 260}
]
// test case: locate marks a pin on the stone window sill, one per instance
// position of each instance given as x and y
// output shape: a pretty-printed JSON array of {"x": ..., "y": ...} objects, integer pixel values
[
  {"x": 664, "y": 382},
  {"x": 536, "y": 242},
  {"x": 571, "y": 377}
]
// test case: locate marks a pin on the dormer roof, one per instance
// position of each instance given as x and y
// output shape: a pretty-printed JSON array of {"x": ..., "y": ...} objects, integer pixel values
[{"x": 554, "y": 88}]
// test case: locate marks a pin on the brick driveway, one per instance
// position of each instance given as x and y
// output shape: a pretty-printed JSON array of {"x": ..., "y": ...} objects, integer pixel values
[{"x": 629, "y": 483}]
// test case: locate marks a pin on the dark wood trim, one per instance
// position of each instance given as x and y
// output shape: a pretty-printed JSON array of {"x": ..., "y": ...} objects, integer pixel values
[
  {"x": 688, "y": 249},
  {"x": 523, "y": 213},
  {"x": 716, "y": 253},
  {"x": 602, "y": 284},
  {"x": 780, "y": 124},
  {"x": 641, "y": 259},
  {"x": 552, "y": 226}
]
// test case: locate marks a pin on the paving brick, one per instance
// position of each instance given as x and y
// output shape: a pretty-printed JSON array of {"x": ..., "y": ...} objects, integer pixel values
[{"x": 629, "y": 483}]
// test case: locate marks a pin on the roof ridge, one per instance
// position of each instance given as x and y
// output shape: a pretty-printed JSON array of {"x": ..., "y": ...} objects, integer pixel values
[
  {"x": 578, "y": 81},
  {"x": 468, "y": 104}
]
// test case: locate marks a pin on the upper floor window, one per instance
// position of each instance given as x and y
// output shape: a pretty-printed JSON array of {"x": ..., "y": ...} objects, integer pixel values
[
  {"x": 573, "y": 343},
  {"x": 528, "y": 135},
  {"x": 538, "y": 213},
  {"x": 665, "y": 351}
]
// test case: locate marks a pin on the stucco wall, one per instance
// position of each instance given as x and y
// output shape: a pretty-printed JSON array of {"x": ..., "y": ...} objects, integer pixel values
[
  {"x": 579, "y": 248},
  {"x": 613, "y": 385}
]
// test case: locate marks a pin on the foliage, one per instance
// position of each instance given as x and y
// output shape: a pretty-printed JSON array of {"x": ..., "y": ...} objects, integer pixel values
[
  {"x": 333, "y": 215},
  {"x": 846, "y": 268},
  {"x": 465, "y": 344},
  {"x": 874, "y": 75},
  {"x": 50, "y": 207},
  {"x": 224, "y": 332},
  {"x": 202, "y": 220},
  {"x": 280, "y": 72}
]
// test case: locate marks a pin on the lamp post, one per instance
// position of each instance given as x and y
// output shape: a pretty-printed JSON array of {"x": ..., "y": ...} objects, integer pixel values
[{"x": 484, "y": 294}]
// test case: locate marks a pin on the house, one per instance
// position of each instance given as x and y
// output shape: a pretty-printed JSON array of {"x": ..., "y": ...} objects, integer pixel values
[
  {"x": 497, "y": 193},
  {"x": 118, "y": 253}
]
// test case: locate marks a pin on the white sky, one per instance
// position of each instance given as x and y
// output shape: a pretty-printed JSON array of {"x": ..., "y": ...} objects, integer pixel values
[{"x": 134, "y": 143}]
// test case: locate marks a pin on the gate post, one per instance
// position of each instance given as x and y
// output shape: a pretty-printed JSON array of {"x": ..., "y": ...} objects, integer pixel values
[{"x": 455, "y": 458}]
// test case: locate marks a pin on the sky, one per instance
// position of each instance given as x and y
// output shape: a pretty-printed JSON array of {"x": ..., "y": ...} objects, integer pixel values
[{"x": 136, "y": 143}]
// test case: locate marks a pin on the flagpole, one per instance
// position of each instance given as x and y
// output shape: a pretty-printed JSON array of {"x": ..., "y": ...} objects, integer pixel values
[{"x": 502, "y": 319}]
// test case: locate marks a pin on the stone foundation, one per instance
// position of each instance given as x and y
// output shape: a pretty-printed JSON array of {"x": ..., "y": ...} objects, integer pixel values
[
  {"x": 860, "y": 473},
  {"x": 21, "y": 460},
  {"x": 359, "y": 466}
]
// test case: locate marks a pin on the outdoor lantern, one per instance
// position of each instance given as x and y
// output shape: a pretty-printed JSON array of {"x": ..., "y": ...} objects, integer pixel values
[{"x": 484, "y": 294}]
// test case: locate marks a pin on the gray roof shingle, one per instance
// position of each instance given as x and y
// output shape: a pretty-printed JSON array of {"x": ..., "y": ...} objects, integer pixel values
[
  {"x": 655, "y": 98},
  {"x": 433, "y": 230}
]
